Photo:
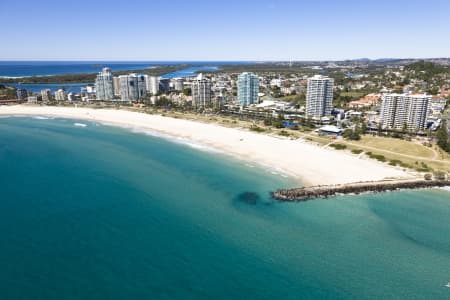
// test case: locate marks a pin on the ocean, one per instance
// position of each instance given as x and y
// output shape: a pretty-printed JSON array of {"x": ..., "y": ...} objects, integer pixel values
[
  {"x": 90, "y": 211},
  {"x": 76, "y": 87},
  {"x": 53, "y": 87},
  {"x": 45, "y": 68}
]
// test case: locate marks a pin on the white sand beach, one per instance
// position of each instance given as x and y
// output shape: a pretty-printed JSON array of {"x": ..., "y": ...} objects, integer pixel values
[{"x": 311, "y": 164}]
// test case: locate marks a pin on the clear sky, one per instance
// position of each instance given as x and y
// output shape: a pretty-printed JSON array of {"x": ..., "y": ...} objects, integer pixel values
[{"x": 223, "y": 30}]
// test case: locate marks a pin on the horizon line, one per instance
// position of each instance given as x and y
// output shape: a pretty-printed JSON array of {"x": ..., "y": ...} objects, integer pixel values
[{"x": 225, "y": 60}]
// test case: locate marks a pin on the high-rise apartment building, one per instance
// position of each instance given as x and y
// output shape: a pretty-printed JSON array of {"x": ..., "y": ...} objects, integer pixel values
[
  {"x": 116, "y": 86},
  {"x": 46, "y": 95},
  {"x": 21, "y": 94},
  {"x": 178, "y": 84},
  {"x": 405, "y": 111},
  {"x": 248, "y": 89},
  {"x": 104, "y": 85},
  {"x": 153, "y": 85},
  {"x": 164, "y": 85},
  {"x": 71, "y": 96},
  {"x": 60, "y": 95},
  {"x": 319, "y": 96},
  {"x": 132, "y": 87},
  {"x": 201, "y": 92}
]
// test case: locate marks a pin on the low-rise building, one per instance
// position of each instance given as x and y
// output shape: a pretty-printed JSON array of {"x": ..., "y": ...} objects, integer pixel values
[
  {"x": 367, "y": 101},
  {"x": 437, "y": 105},
  {"x": 32, "y": 99},
  {"x": 330, "y": 130}
]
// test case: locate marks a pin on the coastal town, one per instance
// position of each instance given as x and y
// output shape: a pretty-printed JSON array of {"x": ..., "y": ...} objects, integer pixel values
[
  {"x": 266, "y": 150},
  {"x": 352, "y": 106}
]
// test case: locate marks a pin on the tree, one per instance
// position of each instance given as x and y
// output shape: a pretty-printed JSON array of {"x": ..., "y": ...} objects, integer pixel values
[
  {"x": 278, "y": 124},
  {"x": 363, "y": 128},
  {"x": 442, "y": 137},
  {"x": 268, "y": 121},
  {"x": 404, "y": 128},
  {"x": 352, "y": 134},
  {"x": 380, "y": 129},
  {"x": 164, "y": 102},
  {"x": 187, "y": 92}
]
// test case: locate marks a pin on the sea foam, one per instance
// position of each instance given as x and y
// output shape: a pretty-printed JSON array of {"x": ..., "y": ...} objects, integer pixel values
[{"x": 446, "y": 188}]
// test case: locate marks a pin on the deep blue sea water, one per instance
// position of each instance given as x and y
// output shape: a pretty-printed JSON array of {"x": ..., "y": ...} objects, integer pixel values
[
  {"x": 41, "y": 68},
  {"x": 53, "y": 87},
  {"x": 99, "y": 212}
]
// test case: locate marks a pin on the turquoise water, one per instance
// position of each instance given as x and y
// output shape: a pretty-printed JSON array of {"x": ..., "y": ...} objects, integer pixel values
[
  {"x": 190, "y": 71},
  {"x": 98, "y": 212}
]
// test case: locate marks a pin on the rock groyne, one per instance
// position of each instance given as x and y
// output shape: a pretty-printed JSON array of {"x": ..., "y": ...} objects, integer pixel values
[{"x": 316, "y": 192}]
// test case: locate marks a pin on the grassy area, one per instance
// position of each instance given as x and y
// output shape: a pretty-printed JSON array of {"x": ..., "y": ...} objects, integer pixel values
[
  {"x": 393, "y": 151},
  {"x": 396, "y": 145},
  {"x": 419, "y": 163}
]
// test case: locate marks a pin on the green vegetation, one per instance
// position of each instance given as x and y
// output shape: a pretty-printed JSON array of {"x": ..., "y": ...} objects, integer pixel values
[
  {"x": 299, "y": 99},
  {"x": 353, "y": 95},
  {"x": 267, "y": 67},
  {"x": 284, "y": 133},
  {"x": 423, "y": 167},
  {"x": 442, "y": 137},
  {"x": 277, "y": 123},
  {"x": 357, "y": 151},
  {"x": 338, "y": 146},
  {"x": 424, "y": 69},
  {"x": 352, "y": 134},
  {"x": 440, "y": 175},
  {"x": 395, "y": 162},
  {"x": 396, "y": 146},
  {"x": 378, "y": 157},
  {"x": 7, "y": 92},
  {"x": 187, "y": 91},
  {"x": 433, "y": 75},
  {"x": 164, "y": 102},
  {"x": 257, "y": 128}
]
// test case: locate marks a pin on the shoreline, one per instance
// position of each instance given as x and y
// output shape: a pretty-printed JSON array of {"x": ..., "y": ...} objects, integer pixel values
[{"x": 306, "y": 163}]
